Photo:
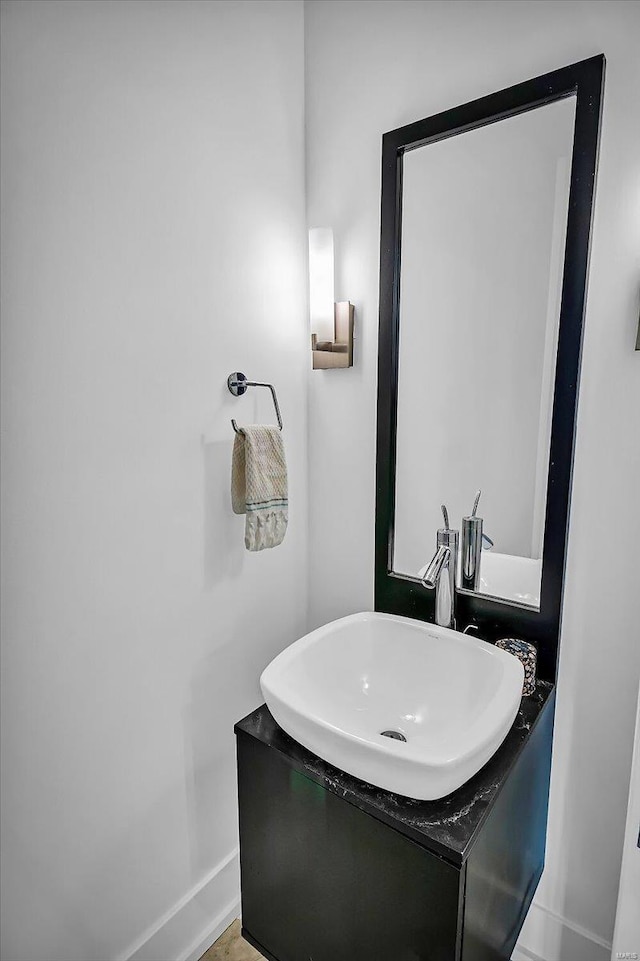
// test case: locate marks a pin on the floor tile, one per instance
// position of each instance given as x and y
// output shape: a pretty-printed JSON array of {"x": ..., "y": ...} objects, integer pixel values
[{"x": 231, "y": 946}]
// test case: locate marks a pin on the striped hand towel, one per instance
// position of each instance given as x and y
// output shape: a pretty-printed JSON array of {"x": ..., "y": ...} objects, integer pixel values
[{"x": 259, "y": 486}]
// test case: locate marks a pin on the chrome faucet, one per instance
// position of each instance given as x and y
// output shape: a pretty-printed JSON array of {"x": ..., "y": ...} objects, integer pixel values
[{"x": 441, "y": 573}]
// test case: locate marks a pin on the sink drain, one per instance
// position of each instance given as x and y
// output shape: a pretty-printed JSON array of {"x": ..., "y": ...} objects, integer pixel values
[{"x": 395, "y": 735}]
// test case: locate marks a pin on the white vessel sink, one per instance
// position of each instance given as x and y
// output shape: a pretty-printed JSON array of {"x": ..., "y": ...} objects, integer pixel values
[{"x": 452, "y": 696}]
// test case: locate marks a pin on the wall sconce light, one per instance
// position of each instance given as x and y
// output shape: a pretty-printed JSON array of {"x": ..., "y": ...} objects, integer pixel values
[{"x": 331, "y": 323}]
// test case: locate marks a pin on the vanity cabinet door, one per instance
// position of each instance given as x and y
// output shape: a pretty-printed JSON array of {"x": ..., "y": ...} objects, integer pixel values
[
  {"x": 506, "y": 862},
  {"x": 323, "y": 880}
]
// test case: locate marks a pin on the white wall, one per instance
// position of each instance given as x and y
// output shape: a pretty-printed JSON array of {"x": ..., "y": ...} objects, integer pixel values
[
  {"x": 154, "y": 241},
  {"x": 627, "y": 929},
  {"x": 371, "y": 67}
]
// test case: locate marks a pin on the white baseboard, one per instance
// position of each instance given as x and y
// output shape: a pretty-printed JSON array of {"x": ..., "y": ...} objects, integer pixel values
[
  {"x": 204, "y": 941},
  {"x": 191, "y": 926},
  {"x": 546, "y": 936}
]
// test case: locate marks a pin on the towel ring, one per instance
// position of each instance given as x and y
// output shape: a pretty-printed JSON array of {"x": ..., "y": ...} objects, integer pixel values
[{"x": 238, "y": 383}]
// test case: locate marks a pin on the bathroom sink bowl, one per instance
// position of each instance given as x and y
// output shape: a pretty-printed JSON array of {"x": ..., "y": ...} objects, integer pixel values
[{"x": 406, "y": 706}]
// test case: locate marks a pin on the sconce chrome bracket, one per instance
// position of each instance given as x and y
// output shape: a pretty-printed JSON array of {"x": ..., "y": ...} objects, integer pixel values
[{"x": 339, "y": 351}]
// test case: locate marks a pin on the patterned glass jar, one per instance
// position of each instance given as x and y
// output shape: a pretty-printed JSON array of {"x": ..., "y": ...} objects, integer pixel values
[{"x": 526, "y": 653}]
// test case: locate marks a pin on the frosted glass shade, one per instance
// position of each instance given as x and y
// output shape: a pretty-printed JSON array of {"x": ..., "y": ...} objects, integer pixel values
[{"x": 321, "y": 285}]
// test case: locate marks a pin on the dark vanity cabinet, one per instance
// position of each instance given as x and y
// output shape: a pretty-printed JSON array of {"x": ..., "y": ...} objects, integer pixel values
[{"x": 334, "y": 869}]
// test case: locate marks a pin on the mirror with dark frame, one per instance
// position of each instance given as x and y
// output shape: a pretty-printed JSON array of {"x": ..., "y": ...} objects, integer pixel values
[{"x": 486, "y": 215}]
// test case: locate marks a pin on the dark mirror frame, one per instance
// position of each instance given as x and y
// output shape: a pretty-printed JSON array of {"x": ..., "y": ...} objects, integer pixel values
[{"x": 400, "y": 594}]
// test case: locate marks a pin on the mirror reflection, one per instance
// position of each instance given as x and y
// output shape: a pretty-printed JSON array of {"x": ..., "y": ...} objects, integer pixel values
[{"x": 483, "y": 234}]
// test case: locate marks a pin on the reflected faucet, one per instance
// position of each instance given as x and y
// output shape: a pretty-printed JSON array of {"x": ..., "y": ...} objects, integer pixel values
[
  {"x": 440, "y": 574},
  {"x": 474, "y": 541}
]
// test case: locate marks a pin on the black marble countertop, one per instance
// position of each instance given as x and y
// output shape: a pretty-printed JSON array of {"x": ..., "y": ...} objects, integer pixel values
[{"x": 448, "y": 826}]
